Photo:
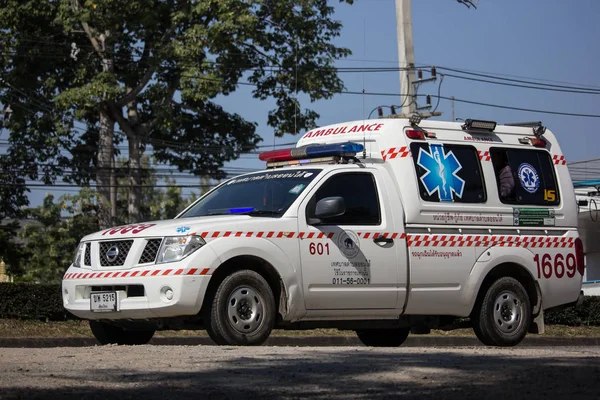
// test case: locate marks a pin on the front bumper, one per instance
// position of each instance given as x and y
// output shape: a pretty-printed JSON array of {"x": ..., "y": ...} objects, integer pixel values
[{"x": 141, "y": 292}]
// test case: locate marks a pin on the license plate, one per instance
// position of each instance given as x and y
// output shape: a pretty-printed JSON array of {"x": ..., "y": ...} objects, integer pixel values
[{"x": 103, "y": 301}]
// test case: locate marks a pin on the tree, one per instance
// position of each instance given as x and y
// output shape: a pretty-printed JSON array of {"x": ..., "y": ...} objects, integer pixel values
[
  {"x": 53, "y": 230},
  {"x": 156, "y": 203},
  {"x": 154, "y": 68},
  {"x": 12, "y": 199},
  {"x": 52, "y": 234}
]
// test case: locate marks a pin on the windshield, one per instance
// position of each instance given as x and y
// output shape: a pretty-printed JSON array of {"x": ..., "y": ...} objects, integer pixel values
[{"x": 265, "y": 194}]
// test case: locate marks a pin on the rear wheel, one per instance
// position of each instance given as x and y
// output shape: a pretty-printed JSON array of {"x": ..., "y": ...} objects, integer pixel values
[
  {"x": 111, "y": 334},
  {"x": 383, "y": 337},
  {"x": 504, "y": 314},
  {"x": 242, "y": 311}
]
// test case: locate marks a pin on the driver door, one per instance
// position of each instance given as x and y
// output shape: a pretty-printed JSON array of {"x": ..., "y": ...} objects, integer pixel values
[{"x": 352, "y": 261}]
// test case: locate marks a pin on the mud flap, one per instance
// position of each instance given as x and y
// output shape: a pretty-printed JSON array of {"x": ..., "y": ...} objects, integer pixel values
[{"x": 537, "y": 320}]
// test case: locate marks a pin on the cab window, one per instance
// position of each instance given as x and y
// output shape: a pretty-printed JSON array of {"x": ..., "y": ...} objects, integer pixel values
[
  {"x": 525, "y": 176},
  {"x": 360, "y": 195},
  {"x": 448, "y": 173}
]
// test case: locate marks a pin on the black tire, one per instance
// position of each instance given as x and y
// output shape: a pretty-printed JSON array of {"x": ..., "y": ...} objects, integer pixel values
[
  {"x": 242, "y": 311},
  {"x": 503, "y": 315},
  {"x": 383, "y": 337},
  {"x": 111, "y": 334}
]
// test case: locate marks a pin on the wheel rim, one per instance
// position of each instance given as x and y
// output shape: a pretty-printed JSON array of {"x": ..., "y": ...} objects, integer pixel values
[
  {"x": 508, "y": 312},
  {"x": 245, "y": 309}
]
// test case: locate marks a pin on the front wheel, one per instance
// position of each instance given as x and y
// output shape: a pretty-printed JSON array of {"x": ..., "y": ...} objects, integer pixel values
[
  {"x": 111, "y": 334},
  {"x": 504, "y": 314},
  {"x": 242, "y": 311},
  {"x": 383, "y": 337}
]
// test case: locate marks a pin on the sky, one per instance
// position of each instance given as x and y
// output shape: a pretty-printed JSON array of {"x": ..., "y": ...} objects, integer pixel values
[{"x": 551, "y": 40}]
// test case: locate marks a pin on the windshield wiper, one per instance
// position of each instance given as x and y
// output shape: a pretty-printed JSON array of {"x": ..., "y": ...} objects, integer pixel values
[
  {"x": 250, "y": 212},
  {"x": 262, "y": 212}
]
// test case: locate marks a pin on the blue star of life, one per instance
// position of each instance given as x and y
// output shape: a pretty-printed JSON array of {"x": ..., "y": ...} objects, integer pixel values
[{"x": 441, "y": 175}]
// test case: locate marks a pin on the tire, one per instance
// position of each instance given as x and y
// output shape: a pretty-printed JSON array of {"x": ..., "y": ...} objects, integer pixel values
[
  {"x": 504, "y": 314},
  {"x": 242, "y": 312},
  {"x": 111, "y": 334},
  {"x": 383, "y": 337}
]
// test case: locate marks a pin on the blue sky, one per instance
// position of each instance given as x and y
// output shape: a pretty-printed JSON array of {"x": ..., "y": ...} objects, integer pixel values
[
  {"x": 553, "y": 40},
  {"x": 542, "y": 40}
]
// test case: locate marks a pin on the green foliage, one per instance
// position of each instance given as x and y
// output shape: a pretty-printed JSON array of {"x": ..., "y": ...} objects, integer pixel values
[
  {"x": 157, "y": 203},
  {"x": 587, "y": 315},
  {"x": 53, "y": 230},
  {"x": 156, "y": 67},
  {"x": 10, "y": 251},
  {"x": 32, "y": 301},
  {"x": 52, "y": 233}
]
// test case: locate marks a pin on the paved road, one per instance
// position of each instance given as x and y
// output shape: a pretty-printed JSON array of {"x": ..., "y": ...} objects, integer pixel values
[{"x": 159, "y": 372}]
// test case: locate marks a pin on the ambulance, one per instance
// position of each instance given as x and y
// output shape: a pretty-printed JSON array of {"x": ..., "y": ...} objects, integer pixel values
[{"x": 386, "y": 227}]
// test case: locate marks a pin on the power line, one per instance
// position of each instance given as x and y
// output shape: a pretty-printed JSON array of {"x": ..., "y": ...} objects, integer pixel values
[
  {"x": 515, "y": 80},
  {"x": 586, "y": 91}
]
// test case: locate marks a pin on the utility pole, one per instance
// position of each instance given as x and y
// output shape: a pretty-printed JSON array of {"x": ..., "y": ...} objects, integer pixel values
[
  {"x": 406, "y": 56},
  {"x": 452, "y": 99}
]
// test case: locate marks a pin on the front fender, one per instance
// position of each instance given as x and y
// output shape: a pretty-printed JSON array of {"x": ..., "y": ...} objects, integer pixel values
[
  {"x": 490, "y": 259},
  {"x": 284, "y": 263}
]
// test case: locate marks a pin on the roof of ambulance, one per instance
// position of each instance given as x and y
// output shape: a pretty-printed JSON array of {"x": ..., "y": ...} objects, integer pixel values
[{"x": 377, "y": 127}]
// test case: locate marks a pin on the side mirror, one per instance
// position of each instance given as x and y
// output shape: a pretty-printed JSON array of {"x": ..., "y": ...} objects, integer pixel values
[{"x": 327, "y": 208}]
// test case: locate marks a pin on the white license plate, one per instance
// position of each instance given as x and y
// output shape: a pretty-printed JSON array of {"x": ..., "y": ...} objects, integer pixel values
[{"x": 103, "y": 301}]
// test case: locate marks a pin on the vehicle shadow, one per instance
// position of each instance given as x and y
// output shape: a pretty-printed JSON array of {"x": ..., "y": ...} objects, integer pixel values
[{"x": 335, "y": 373}]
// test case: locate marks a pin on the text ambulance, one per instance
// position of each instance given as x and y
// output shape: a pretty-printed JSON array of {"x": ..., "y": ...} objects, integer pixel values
[{"x": 384, "y": 227}]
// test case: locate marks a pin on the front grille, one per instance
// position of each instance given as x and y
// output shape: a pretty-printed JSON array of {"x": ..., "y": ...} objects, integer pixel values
[
  {"x": 113, "y": 254},
  {"x": 87, "y": 260},
  {"x": 150, "y": 251}
]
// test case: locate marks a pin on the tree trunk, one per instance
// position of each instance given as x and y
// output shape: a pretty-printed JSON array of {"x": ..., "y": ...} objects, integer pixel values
[
  {"x": 104, "y": 171},
  {"x": 135, "y": 164},
  {"x": 135, "y": 179}
]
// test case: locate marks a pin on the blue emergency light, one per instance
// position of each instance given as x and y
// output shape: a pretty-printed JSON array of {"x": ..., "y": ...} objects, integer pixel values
[{"x": 312, "y": 151}]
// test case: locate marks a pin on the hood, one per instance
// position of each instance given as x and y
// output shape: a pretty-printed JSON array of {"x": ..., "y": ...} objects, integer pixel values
[{"x": 182, "y": 226}]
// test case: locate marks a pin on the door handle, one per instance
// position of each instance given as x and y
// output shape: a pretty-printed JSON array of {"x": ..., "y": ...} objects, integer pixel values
[{"x": 381, "y": 239}]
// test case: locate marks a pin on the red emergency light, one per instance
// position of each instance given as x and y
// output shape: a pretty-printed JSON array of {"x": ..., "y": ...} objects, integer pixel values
[{"x": 312, "y": 151}]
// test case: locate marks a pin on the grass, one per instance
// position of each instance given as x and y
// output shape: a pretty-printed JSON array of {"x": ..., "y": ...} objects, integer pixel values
[{"x": 10, "y": 328}]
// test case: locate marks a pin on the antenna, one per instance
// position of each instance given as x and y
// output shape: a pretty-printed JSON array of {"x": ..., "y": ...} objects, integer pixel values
[
  {"x": 296, "y": 90},
  {"x": 363, "y": 83}
]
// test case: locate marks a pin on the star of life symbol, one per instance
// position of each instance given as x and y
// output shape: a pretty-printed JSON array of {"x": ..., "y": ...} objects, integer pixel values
[
  {"x": 441, "y": 175},
  {"x": 529, "y": 178}
]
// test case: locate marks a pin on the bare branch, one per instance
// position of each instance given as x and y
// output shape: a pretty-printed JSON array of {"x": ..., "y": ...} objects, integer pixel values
[
  {"x": 117, "y": 114},
  {"x": 130, "y": 96},
  {"x": 168, "y": 100},
  {"x": 89, "y": 31}
]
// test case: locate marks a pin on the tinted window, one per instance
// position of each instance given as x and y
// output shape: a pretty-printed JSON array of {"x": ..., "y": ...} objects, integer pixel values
[
  {"x": 265, "y": 194},
  {"x": 525, "y": 177},
  {"x": 360, "y": 195},
  {"x": 449, "y": 173}
]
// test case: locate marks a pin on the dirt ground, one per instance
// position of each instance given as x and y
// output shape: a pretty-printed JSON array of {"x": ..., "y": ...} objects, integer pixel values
[{"x": 159, "y": 372}]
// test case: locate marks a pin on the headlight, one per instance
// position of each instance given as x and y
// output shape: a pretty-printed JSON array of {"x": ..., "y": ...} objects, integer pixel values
[
  {"x": 178, "y": 247},
  {"x": 78, "y": 254}
]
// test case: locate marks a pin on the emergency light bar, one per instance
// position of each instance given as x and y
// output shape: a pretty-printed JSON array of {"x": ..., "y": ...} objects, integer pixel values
[
  {"x": 312, "y": 151},
  {"x": 474, "y": 124}
]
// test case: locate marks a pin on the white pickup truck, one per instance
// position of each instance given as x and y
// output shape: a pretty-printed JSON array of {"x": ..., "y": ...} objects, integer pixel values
[{"x": 380, "y": 226}]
